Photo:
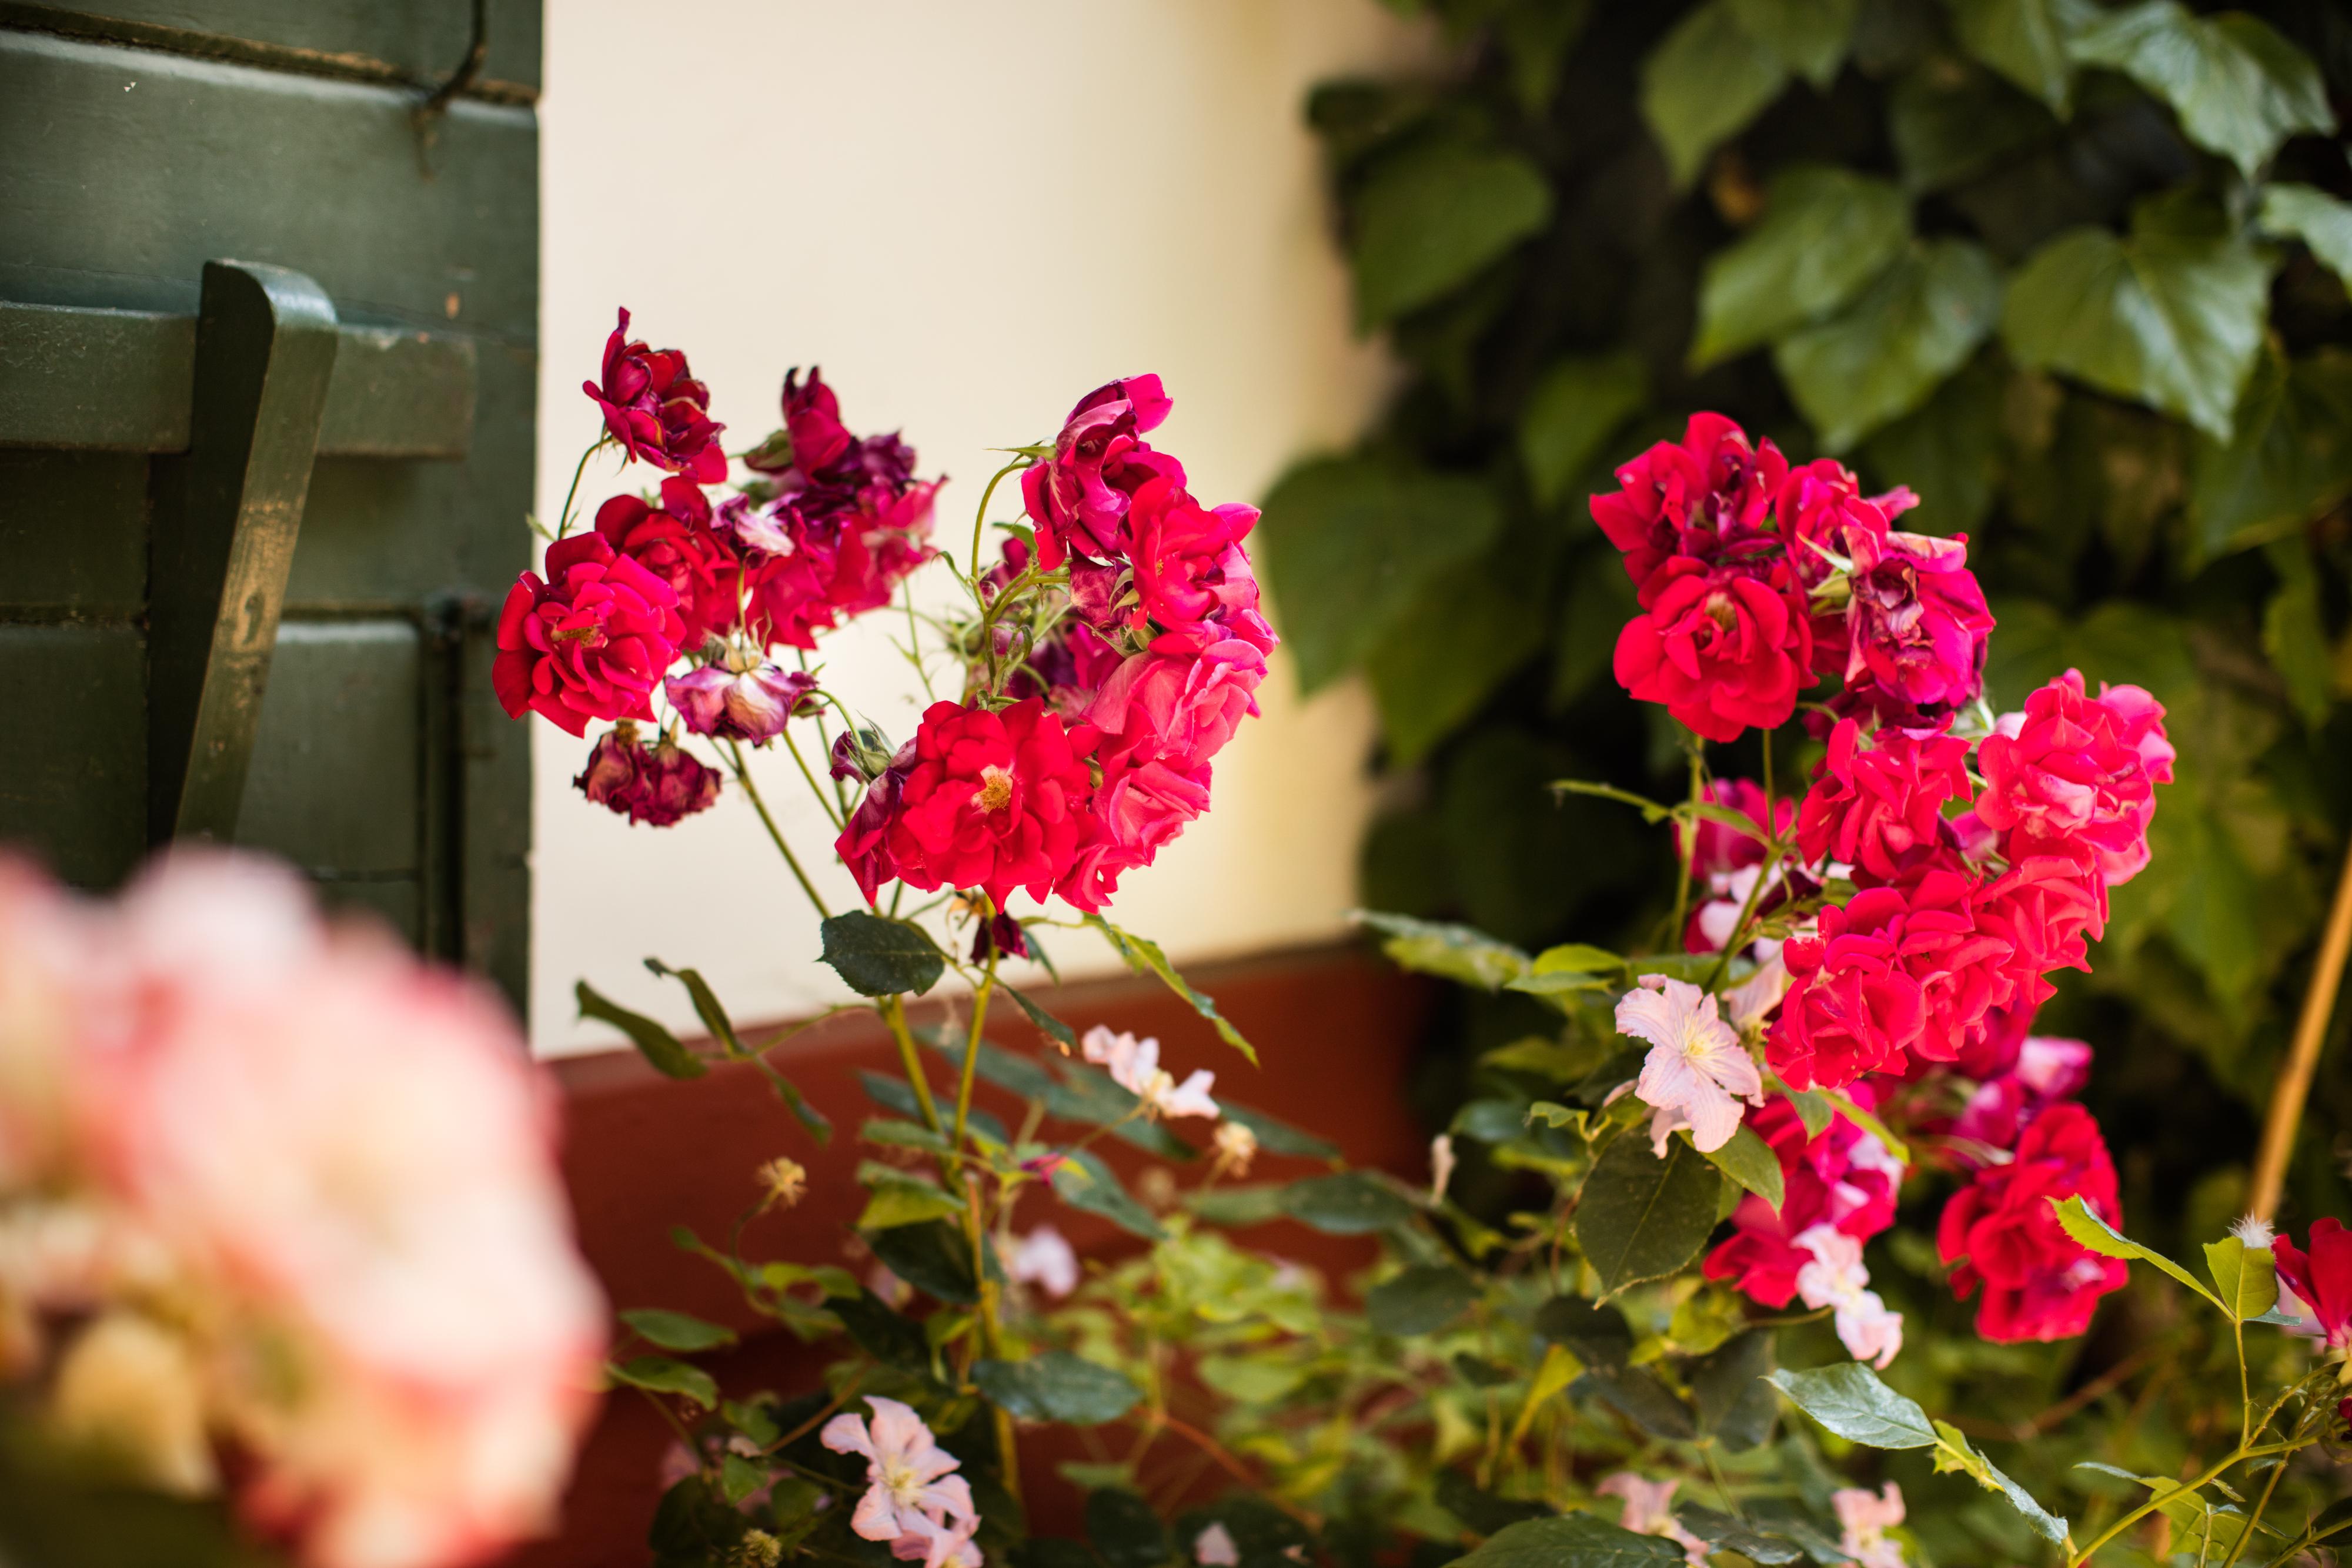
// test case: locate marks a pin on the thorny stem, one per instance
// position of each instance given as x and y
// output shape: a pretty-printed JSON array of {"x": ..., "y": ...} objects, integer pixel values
[
  {"x": 1722, "y": 1487},
  {"x": 2262, "y": 1506},
  {"x": 1686, "y": 851},
  {"x": 980, "y": 519},
  {"x": 824, "y": 803},
  {"x": 2180, "y": 1490},
  {"x": 894, "y": 1014},
  {"x": 563, "y": 519},
  {"x": 751, "y": 790}
]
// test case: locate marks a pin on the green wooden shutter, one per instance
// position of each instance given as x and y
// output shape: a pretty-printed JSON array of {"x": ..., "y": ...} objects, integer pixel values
[{"x": 381, "y": 316}]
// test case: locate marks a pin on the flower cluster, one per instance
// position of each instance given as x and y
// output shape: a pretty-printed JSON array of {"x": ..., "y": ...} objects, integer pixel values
[
  {"x": 1979, "y": 851},
  {"x": 1113, "y": 660},
  {"x": 914, "y": 1501},
  {"x": 827, "y": 528},
  {"x": 279, "y": 1185}
]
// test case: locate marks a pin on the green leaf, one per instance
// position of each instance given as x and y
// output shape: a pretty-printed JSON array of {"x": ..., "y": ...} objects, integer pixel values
[
  {"x": 1125, "y": 1530},
  {"x": 2169, "y": 317},
  {"x": 1349, "y": 543},
  {"x": 2294, "y": 634},
  {"x": 2246, "y": 1278},
  {"x": 881, "y": 1331},
  {"x": 1825, "y": 233},
  {"x": 894, "y": 1133},
  {"x": 1735, "y": 1402},
  {"x": 1144, "y": 958},
  {"x": 1948, "y": 452},
  {"x": 1047, "y": 1024},
  {"x": 1599, "y": 602},
  {"x": 675, "y": 1331},
  {"x": 1727, "y": 1533},
  {"x": 2315, "y": 217},
  {"x": 1571, "y": 1541},
  {"x": 934, "y": 1257},
  {"x": 878, "y": 956},
  {"x": 1636, "y": 1394},
  {"x": 1810, "y": 36},
  {"x": 1845, "y": 1106},
  {"x": 1954, "y": 1453},
  {"x": 1474, "y": 624},
  {"x": 2288, "y": 461},
  {"x": 1642, "y": 1218},
  {"x": 2024, "y": 40},
  {"x": 1094, "y": 1188},
  {"x": 1850, "y": 1400},
  {"x": 1581, "y": 402},
  {"x": 654, "y": 1043},
  {"x": 1594, "y": 1334},
  {"x": 1884, "y": 357},
  {"x": 1705, "y": 81},
  {"x": 1432, "y": 215},
  {"x": 661, "y": 1374},
  {"x": 739, "y": 1477},
  {"x": 1277, "y": 1137},
  {"x": 1345, "y": 1203},
  {"x": 906, "y": 1202},
  {"x": 1812, "y": 1107},
  {"x": 1455, "y": 952},
  {"x": 1749, "y": 1161},
  {"x": 1420, "y": 1300},
  {"x": 1951, "y": 122},
  {"x": 2239, "y": 87},
  {"x": 1058, "y": 1387},
  {"x": 2087, "y": 1228},
  {"x": 1238, "y": 1207},
  {"x": 707, "y": 1008}
]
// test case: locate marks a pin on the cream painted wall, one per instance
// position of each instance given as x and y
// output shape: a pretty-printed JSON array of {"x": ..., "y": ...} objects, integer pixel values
[{"x": 970, "y": 211}]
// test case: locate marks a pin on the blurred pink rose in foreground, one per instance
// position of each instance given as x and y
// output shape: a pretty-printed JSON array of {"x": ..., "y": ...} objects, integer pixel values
[{"x": 326, "y": 1173}]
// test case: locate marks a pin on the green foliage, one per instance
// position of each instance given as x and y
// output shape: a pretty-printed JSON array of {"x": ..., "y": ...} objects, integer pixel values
[
  {"x": 2240, "y": 88},
  {"x": 1058, "y": 1387},
  {"x": 1431, "y": 216},
  {"x": 1571, "y": 1540},
  {"x": 1422, "y": 1299},
  {"x": 1642, "y": 1218},
  {"x": 654, "y": 1043}
]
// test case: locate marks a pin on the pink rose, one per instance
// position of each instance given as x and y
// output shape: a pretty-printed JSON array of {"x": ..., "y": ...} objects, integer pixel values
[
  {"x": 1190, "y": 568},
  {"x": 590, "y": 642},
  {"x": 1139, "y": 810},
  {"x": 751, "y": 704},
  {"x": 657, "y": 410},
  {"x": 1877, "y": 807},
  {"x": 2075, "y": 774},
  {"x": 1916, "y": 628},
  {"x": 2046, "y": 1071},
  {"x": 676, "y": 542},
  {"x": 1723, "y": 648},
  {"x": 1176, "y": 707},
  {"x": 2043, "y": 912},
  {"x": 1842, "y": 1177},
  {"x": 1078, "y": 497},
  {"x": 1709, "y": 497}
]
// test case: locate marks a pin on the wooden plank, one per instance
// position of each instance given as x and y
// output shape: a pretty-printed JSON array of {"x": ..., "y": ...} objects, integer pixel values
[
  {"x": 334, "y": 781},
  {"x": 120, "y": 381},
  {"x": 74, "y": 791},
  {"x": 73, "y": 536},
  {"x": 410, "y": 42}
]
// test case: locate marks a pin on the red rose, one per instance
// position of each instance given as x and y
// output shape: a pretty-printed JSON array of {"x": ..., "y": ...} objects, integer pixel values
[
  {"x": 1875, "y": 807},
  {"x": 676, "y": 542},
  {"x": 812, "y": 416},
  {"x": 992, "y": 801},
  {"x": 1855, "y": 1007},
  {"x": 1964, "y": 966},
  {"x": 2039, "y": 1282},
  {"x": 2076, "y": 775},
  {"x": 1842, "y": 1177},
  {"x": 1710, "y": 494},
  {"x": 1190, "y": 568},
  {"x": 590, "y": 642},
  {"x": 2321, "y": 1278},
  {"x": 1723, "y": 648},
  {"x": 1078, "y": 497},
  {"x": 655, "y": 788},
  {"x": 2042, "y": 912},
  {"x": 657, "y": 410},
  {"x": 1916, "y": 628}
]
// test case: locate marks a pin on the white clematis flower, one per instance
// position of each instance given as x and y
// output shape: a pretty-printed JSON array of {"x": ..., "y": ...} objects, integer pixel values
[{"x": 1698, "y": 1072}]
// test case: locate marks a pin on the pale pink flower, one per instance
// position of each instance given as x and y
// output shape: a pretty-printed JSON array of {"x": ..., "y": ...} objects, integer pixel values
[
  {"x": 1441, "y": 1165},
  {"x": 911, "y": 1483},
  {"x": 346, "y": 1154},
  {"x": 1866, "y": 1517},
  {"x": 1835, "y": 1278},
  {"x": 1045, "y": 1258},
  {"x": 1698, "y": 1072},
  {"x": 939, "y": 1543},
  {"x": 1649, "y": 1510},
  {"x": 1134, "y": 1066},
  {"x": 1750, "y": 1003},
  {"x": 1214, "y": 1548}
]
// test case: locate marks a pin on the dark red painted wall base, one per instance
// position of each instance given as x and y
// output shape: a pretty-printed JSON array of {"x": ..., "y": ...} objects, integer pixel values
[{"x": 1334, "y": 1029}]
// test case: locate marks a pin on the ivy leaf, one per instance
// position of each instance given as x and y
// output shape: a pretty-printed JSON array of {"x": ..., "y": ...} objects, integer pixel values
[
  {"x": 2294, "y": 634},
  {"x": 1473, "y": 625},
  {"x": 1420, "y": 1300},
  {"x": 1430, "y": 216},
  {"x": 1825, "y": 233},
  {"x": 1143, "y": 956},
  {"x": 1883, "y": 357},
  {"x": 1749, "y": 1161},
  {"x": 1951, "y": 122},
  {"x": 661, "y": 1374},
  {"x": 2077, "y": 1221},
  {"x": 2239, "y": 87},
  {"x": 1345, "y": 1203},
  {"x": 1948, "y": 450},
  {"x": 1350, "y": 542},
  {"x": 1460, "y": 953},
  {"x": 2025, "y": 40},
  {"x": 878, "y": 956},
  {"x": 2288, "y": 461},
  {"x": 1642, "y": 1218},
  {"x": 2315, "y": 217},
  {"x": 1705, "y": 81},
  {"x": 1850, "y": 1400},
  {"x": 675, "y": 1331},
  {"x": 2171, "y": 317},
  {"x": 1808, "y": 36},
  {"x": 2246, "y": 1278},
  {"x": 1571, "y": 1541},
  {"x": 654, "y": 1043},
  {"x": 1058, "y": 1387},
  {"x": 1581, "y": 402}
]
